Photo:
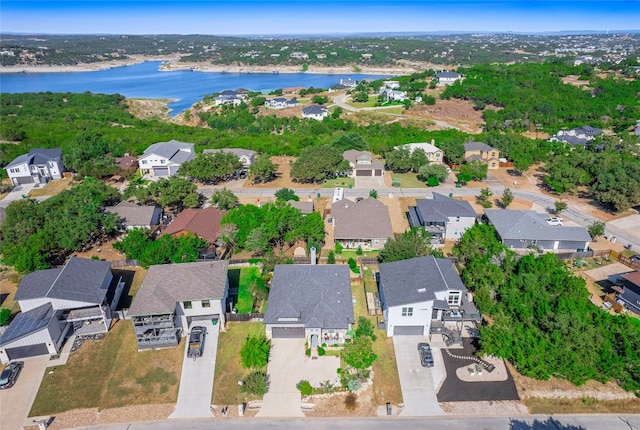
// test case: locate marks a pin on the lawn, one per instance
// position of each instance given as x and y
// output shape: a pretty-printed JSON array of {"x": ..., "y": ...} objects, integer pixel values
[
  {"x": 338, "y": 183},
  {"x": 245, "y": 297},
  {"x": 585, "y": 405},
  {"x": 408, "y": 180},
  {"x": 345, "y": 254},
  {"x": 386, "y": 382},
  {"x": 393, "y": 111},
  {"x": 52, "y": 188},
  {"x": 368, "y": 104},
  {"x": 111, "y": 373},
  {"x": 229, "y": 370}
]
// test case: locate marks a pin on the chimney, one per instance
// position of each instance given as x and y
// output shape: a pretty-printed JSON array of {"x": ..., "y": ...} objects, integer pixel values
[
  {"x": 433, "y": 142},
  {"x": 313, "y": 255}
]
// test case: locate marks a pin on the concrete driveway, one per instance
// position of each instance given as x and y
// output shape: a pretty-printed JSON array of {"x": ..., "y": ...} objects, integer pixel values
[
  {"x": 419, "y": 384},
  {"x": 286, "y": 363},
  {"x": 369, "y": 182},
  {"x": 16, "y": 194},
  {"x": 196, "y": 381},
  {"x": 15, "y": 403}
]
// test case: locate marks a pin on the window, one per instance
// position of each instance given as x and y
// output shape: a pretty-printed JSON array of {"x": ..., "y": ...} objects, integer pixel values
[
  {"x": 144, "y": 161},
  {"x": 454, "y": 298},
  {"x": 187, "y": 304},
  {"x": 407, "y": 312},
  {"x": 437, "y": 155},
  {"x": 163, "y": 161},
  {"x": 457, "y": 219},
  {"x": 206, "y": 304}
]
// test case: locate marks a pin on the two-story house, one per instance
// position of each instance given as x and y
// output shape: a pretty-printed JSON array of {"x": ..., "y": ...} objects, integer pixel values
[
  {"x": 447, "y": 77},
  {"x": 443, "y": 217},
  {"x": 362, "y": 163},
  {"x": 164, "y": 158},
  {"x": 39, "y": 166},
  {"x": 316, "y": 112},
  {"x": 481, "y": 151},
  {"x": 246, "y": 156},
  {"x": 280, "y": 103},
  {"x": 434, "y": 154},
  {"x": 579, "y": 136}
]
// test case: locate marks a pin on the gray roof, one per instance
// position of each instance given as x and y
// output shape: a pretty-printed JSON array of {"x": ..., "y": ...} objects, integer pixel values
[
  {"x": 37, "y": 156},
  {"x": 417, "y": 280},
  {"x": 166, "y": 284},
  {"x": 573, "y": 140},
  {"x": 305, "y": 207},
  {"x": 173, "y": 150},
  {"x": 478, "y": 146},
  {"x": 314, "y": 110},
  {"x": 447, "y": 74},
  {"x": 132, "y": 214},
  {"x": 26, "y": 323},
  {"x": 441, "y": 207},
  {"x": 530, "y": 225},
  {"x": 79, "y": 280},
  {"x": 319, "y": 296},
  {"x": 366, "y": 219},
  {"x": 352, "y": 156},
  {"x": 588, "y": 130}
]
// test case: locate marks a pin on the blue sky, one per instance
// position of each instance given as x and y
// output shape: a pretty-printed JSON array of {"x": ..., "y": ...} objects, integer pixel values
[{"x": 313, "y": 16}]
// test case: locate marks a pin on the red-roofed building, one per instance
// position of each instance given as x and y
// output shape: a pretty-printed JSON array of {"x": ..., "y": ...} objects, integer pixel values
[{"x": 204, "y": 223}]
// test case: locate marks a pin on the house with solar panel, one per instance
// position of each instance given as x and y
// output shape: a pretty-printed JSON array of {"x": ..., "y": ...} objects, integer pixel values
[{"x": 76, "y": 299}]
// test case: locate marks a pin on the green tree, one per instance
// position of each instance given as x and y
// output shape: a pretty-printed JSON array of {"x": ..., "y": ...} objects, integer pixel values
[
  {"x": 483, "y": 198},
  {"x": 262, "y": 170},
  {"x": 255, "y": 383},
  {"x": 596, "y": 229},
  {"x": 139, "y": 245},
  {"x": 224, "y": 199},
  {"x": 507, "y": 197},
  {"x": 320, "y": 100},
  {"x": 317, "y": 164},
  {"x": 437, "y": 171},
  {"x": 174, "y": 193},
  {"x": 286, "y": 194},
  {"x": 373, "y": 194},
  {"x": 331, "y": 258},
  {"x": 338, "y": 248},
  {"x": 366, "y": 328},
  {"x": 258, "y": 101},
  {"x": 359, "y": 353},
  {"x": 351, "y": 141},
  {"x": 254, "y": 353},
  {"x": 476, "y": 169},
  {"x": 560, "y": 206},
  {"x": 411, "y": 244},
  {"x": 211, "y": 168},
  {"x": 399, "y": 160},
  {"x": 360, "y": 97}
]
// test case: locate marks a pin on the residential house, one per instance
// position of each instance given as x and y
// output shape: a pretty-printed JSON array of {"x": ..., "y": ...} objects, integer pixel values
[
  {"x": 528, "y": 229},
  {"x": 204, "y": 223},
  {"x": 133, "y": 215},
  {"x": 316, "y": 112},
  {"x": 127, "y": 163},
  {"x": 349, "y": 83},
  {"x": 362, "y": 163},
  {"x": 305, "y": 207},
  {"x": 173, "y": 297},
  {"x": 246, "y": 156},
  {"x": 579, "y": 136},
  {"x": 629, "y": 292},
  {"x": 365, "y": 223},
  {"x": 481, "y": 151},
  {"x": 423, "y": 296},
  {"x": 164, "y": 158},
  {"x": 447, "y": 77},
  {"x": 76, "y": 299},
  {"x": 229, "y": 97},
  {"x": 393, "y": 95},
  {"x": 310, "y": 302},
  {"x": 280, "y": 103},
  {"x": 299, "y": 55},
  {"x": 443, "y": 217},
  {"x": 434, "y": 154},
  {"x": 38, "y": 166},
  {"x": 391, "y": 84}
]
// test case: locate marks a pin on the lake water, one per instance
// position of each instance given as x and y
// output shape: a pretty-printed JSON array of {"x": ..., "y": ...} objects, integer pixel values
[{"x": 146, "y": 81}]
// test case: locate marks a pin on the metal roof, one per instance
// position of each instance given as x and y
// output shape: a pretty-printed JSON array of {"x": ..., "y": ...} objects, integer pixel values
[{"x": 530, "y": 225}]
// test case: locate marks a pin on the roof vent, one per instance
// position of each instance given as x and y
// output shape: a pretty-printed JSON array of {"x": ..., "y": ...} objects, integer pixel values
[{"x": 422, "y": 290}]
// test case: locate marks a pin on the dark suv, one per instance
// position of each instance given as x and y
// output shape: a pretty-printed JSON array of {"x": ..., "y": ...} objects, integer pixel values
[
  {"x": 10, "y": 374},
  {"x": 426, "y": 357}
]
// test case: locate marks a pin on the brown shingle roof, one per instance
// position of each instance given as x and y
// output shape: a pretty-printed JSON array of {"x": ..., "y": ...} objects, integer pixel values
[
  {"x": 204, "y": 223},
  {"x": 126, "y": 162},
  {"x": 166, "y": 284},
  {"x": 366, "y": 219}
]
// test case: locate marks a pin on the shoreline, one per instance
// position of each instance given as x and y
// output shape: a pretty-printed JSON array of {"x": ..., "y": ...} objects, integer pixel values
[{"x": 171, "y": 64}]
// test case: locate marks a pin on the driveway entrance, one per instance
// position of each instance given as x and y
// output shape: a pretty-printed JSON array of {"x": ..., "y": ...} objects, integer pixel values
[
  {"x": 196, "y": 381},
  {"x": 370, "y": 182},
  {"x": 15, "y": 402},
  {"x": 286, "y": 362},
  {"x": 418, "y": 383}
]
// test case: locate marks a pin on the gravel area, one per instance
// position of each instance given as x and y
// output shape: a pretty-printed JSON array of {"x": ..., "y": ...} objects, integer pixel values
[
  {"x": 509, "y": 407},
  {"x": 333, "y": 406}
]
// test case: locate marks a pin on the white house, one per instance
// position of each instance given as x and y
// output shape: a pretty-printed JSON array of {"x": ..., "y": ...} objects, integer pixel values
[
  {"x": 391, "y": 84},
  {"x": 349, "y": 83},
  {"x": 173, "y": 297},
  {"x": 447, "y": 77},
  {"x": 229, "y": 97},
  {"x": 422, "y": 295},
  {"x": 280, "y": 103},
  {"x": 434, "y": 154},
  {"x": 393, "y": 95},
  {"x": 78, "y": 298},
  {"x": 316, "y": 112},
  {"x": 39, "y": 166},
  {"x": 164, "y": 158}
]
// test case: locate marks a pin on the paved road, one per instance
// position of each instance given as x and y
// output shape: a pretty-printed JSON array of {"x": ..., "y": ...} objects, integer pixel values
[
  {"x": 418, "y": 383},
  {"x": 16, "y": 402},
  {"x": 527, "y": 422},
  {"x": 196, "y": 381}
]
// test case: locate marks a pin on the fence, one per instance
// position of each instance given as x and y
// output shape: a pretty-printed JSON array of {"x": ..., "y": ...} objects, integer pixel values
[
  {"x": 124, "y": 263},
  {"x": 243, "y": 317}
]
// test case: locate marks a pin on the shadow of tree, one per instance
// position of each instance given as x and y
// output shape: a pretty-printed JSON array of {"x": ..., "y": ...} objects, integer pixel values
[{"x": 548, "y": 424}]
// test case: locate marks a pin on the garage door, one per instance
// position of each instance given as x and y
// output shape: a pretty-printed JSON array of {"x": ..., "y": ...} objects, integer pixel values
[
  {"x": 161, "y": 171},
  {"x": 25, "y": 180},
  {"x": 408, "y": 330},
  {"x": 287, "y": 332},
  {"x": 363, "y": 172},
  {"x": 27, "y": 351}
]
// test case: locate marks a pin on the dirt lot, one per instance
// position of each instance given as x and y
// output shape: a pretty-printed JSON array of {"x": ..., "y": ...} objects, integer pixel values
[
  {"x": 283, "y": 176},
  {"x": 459, "y": 113},
  {"x": 149, "y": 108}
]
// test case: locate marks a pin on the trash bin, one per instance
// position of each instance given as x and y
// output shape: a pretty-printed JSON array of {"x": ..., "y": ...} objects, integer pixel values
[
  {"x": 451, "y": 195},
  {"x": 318, "y": 195},
  {"x": 388, "y": 408},
  {"x": 350, "y": 186}
]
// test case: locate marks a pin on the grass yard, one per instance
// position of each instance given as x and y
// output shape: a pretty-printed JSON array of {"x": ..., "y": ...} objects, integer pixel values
[
  {"x": 248, "y": 275},
  {"x": 393, "y": 111},
  {"x": 346, "y": 254},
  {"x": 408, "y": 180},
  {"x": 368, "y": 104},
  {"x": 386, "y": 382},
  {"x": 52, "y": 188},
  {"x": 338, "y": 183},
  {"x": 585, "y": 405},
  {"x": 111, "y": 373},
  {"x": 229, "y": 370}
]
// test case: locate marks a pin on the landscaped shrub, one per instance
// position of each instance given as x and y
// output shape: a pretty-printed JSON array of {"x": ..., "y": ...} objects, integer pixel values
[
  {"x": 256, "y": 383},
  {"x": 308, "y": 352},
  {"x": 359, "y": 251},
  {"x": 321, "y": 351},
  {"x": 5, "y": 315},
  {"x": 353, "y": 265},
  {"x": 351, "y": 401},
  {"x": 331, "y": 258},
  {"x": 304, "y": 387},
  {"x": 354, "y": 385},
  {"x": 255, "y": 352}
]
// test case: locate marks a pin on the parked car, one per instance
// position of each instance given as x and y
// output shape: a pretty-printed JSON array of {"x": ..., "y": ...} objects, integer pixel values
[
  {"x": 196, "y": 342},
  {"x": 426, "y": 357},
  {"x": 635, "y": 258},
  {"x": 10, "y": 374},
  {"x": 554, "y": 221}
]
